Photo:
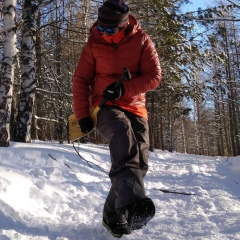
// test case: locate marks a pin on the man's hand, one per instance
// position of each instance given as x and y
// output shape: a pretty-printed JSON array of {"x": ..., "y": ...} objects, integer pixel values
[
  {"x": 112, "y": 92},
  {"x": 86, "y": 124}
]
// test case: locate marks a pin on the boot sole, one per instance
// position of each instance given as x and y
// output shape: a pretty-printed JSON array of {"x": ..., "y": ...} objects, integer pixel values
[
  {"x": 143, "y": 213},
  {"x": 116, "y": 235}
]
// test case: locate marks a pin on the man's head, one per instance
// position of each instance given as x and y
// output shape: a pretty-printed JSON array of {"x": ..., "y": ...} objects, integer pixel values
[{"x": 113, "y": 14}]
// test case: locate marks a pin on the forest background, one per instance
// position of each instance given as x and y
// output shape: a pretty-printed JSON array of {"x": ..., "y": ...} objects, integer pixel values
[{"x": 194, "y": 110}]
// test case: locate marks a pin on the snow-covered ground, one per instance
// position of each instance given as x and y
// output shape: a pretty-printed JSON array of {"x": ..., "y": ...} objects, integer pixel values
[{"x": 48, "y": 192}]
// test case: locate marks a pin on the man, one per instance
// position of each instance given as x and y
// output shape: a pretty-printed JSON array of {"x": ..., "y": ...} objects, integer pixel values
[{"x": 116, "y": 41}]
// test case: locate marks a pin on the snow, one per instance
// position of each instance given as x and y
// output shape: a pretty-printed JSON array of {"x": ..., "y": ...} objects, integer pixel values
[{"x": 47, "y": 192}]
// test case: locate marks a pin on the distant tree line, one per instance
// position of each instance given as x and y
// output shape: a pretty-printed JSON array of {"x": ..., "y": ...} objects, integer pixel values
[{"x": 194, "y": 110}]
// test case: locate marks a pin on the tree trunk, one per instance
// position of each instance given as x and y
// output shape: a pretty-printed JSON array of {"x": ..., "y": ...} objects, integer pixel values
[
  {"x": 151, "y": 121},
  {"x": 27, "y": 95},
  {"x": 196, "y": 127},
  {"x": 184, "y": 148},
  {"x": 7, "y": 70}
]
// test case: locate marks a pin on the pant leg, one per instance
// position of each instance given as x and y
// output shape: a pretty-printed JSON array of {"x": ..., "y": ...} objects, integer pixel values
[
  {"x": 141, "y": 131},
  {"x": 109, "y": 212},
  {"x": 125, "y": 173}
]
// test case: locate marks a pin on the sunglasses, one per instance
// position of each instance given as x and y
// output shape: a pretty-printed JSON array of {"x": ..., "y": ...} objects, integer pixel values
[{"x": 107, "y": 30}]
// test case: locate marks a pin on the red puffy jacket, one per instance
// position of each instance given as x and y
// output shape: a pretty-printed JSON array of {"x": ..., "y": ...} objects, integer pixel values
[{"x": 102, "y": 63}]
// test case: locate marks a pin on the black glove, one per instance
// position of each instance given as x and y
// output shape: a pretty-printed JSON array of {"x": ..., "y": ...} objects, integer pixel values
[
  {"x": 86, "y": 124},
  {"x": 112, "y": 92}
]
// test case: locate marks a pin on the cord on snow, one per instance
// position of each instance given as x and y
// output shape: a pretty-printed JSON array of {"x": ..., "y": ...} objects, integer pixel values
[{"x": 88, "y": 162}]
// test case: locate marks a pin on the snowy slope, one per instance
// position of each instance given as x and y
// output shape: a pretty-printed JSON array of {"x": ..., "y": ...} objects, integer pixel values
[{"x": 48, "y": 192}]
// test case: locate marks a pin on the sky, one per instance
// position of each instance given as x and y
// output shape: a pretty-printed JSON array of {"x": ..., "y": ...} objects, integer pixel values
[
  {"x": 48, "y": 192},
  {"x": 195, "y": 4}
]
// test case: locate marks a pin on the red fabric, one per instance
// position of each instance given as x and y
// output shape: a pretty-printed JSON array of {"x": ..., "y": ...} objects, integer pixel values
[{"x": 102, "y": 63}]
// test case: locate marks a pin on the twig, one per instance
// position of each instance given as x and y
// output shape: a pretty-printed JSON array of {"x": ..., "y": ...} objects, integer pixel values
[
  {"x": 175, "y": 192},
  {"x": 56, "y": 160}
]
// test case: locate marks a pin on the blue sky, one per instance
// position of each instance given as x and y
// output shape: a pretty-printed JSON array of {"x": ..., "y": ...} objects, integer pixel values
[{"x": 195, "y": 5}]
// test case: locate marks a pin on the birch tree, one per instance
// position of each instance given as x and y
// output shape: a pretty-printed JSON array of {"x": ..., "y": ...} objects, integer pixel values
[
  {"x": 28, "y": 85},
  {"x": 7, "y": 70}
]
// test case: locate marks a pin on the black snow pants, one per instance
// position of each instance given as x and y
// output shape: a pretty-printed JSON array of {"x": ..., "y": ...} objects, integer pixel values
[{"x": 128, "y": 138}]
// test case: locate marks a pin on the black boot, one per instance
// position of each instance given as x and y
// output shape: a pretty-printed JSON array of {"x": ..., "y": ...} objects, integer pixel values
[
  {"x": 117, "y": 229},
  {"x": 140, "y": 213}
]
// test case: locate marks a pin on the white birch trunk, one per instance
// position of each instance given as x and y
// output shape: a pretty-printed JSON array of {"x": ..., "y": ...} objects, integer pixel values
[
  {"x": 28, "y": 86},
  {"x": 7, "y": 70}
]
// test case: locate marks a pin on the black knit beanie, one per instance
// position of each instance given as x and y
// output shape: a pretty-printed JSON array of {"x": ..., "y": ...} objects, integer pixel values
[{"x": 113, "y": 13}]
